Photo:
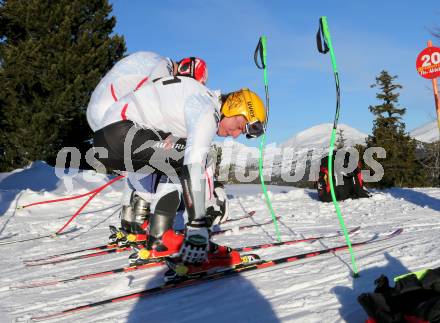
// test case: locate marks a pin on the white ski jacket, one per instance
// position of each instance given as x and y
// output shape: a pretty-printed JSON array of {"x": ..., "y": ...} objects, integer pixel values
[{"x": 127, "y": 75}]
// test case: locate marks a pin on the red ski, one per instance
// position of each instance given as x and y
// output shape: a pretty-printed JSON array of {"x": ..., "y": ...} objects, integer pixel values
[
  {"x": 60, "y": 259},
  {"x": 159, "y": 262},
  {"x": 204, "y": 277}
]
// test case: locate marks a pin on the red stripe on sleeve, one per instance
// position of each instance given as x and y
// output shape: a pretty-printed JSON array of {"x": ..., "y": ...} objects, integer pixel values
[
  {"x": 124, "y": 111},
  {"x": 141, "y": 83},
  {"x": 112, "y": 89}
]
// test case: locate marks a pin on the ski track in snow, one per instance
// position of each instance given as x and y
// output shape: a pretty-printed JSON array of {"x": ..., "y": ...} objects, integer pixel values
[{"x": 318, "y": 289}]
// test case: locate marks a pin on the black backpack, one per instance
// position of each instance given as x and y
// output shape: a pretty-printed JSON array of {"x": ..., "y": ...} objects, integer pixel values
[{"x": 352, "y": 186}]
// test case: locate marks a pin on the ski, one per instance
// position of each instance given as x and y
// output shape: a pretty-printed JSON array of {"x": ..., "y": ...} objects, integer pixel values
[
  {"x": 204, "y": 277},
  {"x": 285, "y": 243},
  {"x": 6, "y": 237},
  {"x": 56, "y": 258},
  {"x": 27, "y": 239},
  {"x": 98, "y": 248},
  {"x": 160, "y": 262},
  {"x": 52, "y": 235},
  {"x": 113, "y": 245},
  {"x": 220, "y": 231},
  {"x": 88, "y": 276},
  {"x": 246, "y": 216}
]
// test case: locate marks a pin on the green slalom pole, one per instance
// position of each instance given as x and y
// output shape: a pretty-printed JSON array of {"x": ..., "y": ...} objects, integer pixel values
[
  {"x": 261, "y": 49},
  {"x": 324, "y": 48}
]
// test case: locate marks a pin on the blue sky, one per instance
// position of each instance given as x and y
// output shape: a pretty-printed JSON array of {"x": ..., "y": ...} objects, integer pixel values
[{"x": 368, "y": 36}]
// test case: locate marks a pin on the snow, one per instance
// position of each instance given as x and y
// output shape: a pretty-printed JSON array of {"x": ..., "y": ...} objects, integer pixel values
[
  {"x": 319, "y": 136},
  {"x": 318, "y": 289},
  {"x": 427, "y": 133},
  {"x": 313, "y": 138},
  {"x": 309, "y": 145}
]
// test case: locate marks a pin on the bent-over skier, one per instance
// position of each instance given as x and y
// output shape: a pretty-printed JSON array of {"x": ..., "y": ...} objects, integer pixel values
[
  {"x": 127, "y": 75},
  {"x": 168, "y": 128}
]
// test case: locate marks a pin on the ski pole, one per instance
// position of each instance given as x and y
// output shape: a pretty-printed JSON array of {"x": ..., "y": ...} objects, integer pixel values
[
  {"x": 70, "y": 197},
  {"x": 324, "y": 47},
  {"x": 95, "y": 192},
  {"x": 92, "y": 194},
  {"x": 261, "y": 50}
]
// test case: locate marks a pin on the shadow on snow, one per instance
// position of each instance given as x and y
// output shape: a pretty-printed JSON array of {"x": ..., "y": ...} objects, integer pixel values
[
  {"x": 351, "y": 311},
  {"x": 415, "y": 197},
  {"x": 232, "y": 299}
]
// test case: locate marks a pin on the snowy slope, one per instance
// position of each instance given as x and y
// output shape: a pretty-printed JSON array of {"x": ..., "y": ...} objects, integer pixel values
[
  {"x": 308, "y": 145},
  {"x": 319, "y": 136},
  {"x": 315, "y": 137},
  {"x": 315, "y": 290},
  {"x": 427, "y": 133}
]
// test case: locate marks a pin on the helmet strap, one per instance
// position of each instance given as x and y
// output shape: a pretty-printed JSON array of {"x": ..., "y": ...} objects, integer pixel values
[{"x": 193, "y": 66}]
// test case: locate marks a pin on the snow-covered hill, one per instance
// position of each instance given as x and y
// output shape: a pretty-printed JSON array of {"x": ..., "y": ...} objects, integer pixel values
[
  {"x": 426, "y": 133},
  {"x": 308, "y": 145},
  {"x": 318, "y": 289},
  {"x": 312, "y": 138},
  {"x": 319, "y": 136}
]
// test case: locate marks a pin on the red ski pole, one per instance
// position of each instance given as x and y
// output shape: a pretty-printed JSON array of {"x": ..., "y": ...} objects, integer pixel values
[{"x": 94, "y": 193}]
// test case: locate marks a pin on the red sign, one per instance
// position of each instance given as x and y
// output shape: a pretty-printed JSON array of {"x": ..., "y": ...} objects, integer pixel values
[{"x": 428, "y": 62}]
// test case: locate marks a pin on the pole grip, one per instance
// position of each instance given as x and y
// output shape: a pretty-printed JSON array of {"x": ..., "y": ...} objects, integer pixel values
[{"x": 328, "y": 40}]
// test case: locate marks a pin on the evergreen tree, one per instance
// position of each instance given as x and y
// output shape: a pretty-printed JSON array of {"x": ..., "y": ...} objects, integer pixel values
[
  {"x": 430, "y": 159},
  {"x": 340, "y": 142},
  {"x": 400, "y": 165},
  {"x": 218, "y": 159},
  {"x": 52, "y": 55}
]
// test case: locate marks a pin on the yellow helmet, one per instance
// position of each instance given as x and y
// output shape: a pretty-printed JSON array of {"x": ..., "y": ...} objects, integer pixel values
[{"x": 246, "y": 103}]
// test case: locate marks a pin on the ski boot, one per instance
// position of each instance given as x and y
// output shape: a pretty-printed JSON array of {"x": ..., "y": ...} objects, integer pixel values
[
  {"x": 124, "y": 239},
  {"x": 117, "y": 236},
  {"x": 134, "y": 221},
  {"x": 220, "y": 258},
  {"x": 156, "y": 249},
  {"x": 139, "y": 221}
]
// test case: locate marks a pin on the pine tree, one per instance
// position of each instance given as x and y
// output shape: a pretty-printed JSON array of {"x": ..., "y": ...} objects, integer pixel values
[
  {"x": 430, "y": 160},
  {"x": 400, "y": 165},
  {"x": 52, "y": 55},
  {"x": 218, "y": 160},
  {"x": 340, "y": 142}
]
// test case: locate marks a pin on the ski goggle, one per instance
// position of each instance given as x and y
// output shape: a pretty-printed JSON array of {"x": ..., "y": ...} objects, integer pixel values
[
  {"x": 254, "y": 129},
  {"x": 186, "y": 67}
]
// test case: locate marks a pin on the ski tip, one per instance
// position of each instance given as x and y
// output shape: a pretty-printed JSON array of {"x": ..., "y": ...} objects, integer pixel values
[
  {"x": 45, "y": 317},
  {"x": 355, "y": 275}
]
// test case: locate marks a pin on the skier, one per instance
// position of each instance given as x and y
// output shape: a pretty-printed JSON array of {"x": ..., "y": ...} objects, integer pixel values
[
  {"x": 169, "y": 126},
  {"x": 129, "y": 74}
]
